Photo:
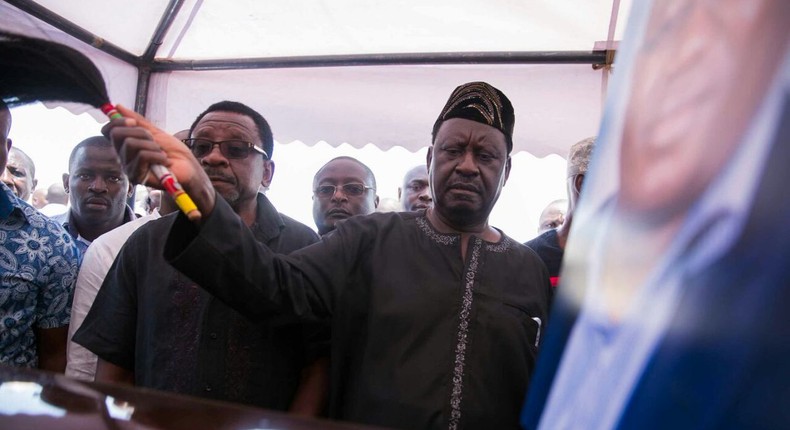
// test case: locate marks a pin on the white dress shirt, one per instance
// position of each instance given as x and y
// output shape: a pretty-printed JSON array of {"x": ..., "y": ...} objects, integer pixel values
[{"x": 81, "y": 363}]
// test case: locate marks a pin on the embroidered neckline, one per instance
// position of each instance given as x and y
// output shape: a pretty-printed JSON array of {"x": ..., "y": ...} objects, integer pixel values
[
  {"x": 440, "y": 238},
  {"x": 503, "y": 245}
]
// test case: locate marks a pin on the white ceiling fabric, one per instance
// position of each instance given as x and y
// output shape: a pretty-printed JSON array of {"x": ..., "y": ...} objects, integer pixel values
[
  {"x": 556, "y": 105},
  {"x": 256, "y": 28},
  {"x": 386, "y": 106}
]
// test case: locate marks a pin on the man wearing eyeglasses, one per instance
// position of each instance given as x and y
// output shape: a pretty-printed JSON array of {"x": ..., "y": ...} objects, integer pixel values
[
  {"x": 342, "y": 188},
  {"x": 436, "y": 315},
  {"x": 151, "y": 325}
]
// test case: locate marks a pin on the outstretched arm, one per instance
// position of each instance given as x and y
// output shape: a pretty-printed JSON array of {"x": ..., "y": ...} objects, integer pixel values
[{"x": 224, "y": 257}]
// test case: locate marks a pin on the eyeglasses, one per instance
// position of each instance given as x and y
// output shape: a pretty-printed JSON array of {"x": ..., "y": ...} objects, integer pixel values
[
  {"x": 350, "y": 190},
  {"x": 417, "y": 187},
  {"x": 231, "y": 149}
]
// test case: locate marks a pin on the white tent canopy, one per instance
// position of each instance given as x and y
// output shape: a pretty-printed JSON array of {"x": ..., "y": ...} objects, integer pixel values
[
  {"x": 340, "y": 77},
  {"x": 392, "y": 64}
]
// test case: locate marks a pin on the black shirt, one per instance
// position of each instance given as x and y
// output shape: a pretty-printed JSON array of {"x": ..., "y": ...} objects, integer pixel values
[
  {"x": 547, "y": 245},
  {"x": 154, "y": 320},
  {"x": 421, "y": 338}
]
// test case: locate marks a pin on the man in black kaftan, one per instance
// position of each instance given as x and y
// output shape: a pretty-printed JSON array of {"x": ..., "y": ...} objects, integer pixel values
[
  {"x": 153, "y": 326},
  {"x": 436, "y": 316}
]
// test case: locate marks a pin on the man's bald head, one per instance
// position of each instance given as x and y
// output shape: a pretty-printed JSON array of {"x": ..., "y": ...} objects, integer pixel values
[
  {"x": 370, "y": 178},
  {"x": 19, "y": 173},
  {"x": 57, "y": 194},
  {"x": 553, "y": 216}
]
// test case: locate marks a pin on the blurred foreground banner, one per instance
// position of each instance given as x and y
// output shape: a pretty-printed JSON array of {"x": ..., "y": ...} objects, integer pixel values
[{"x": 673, "y": 309}]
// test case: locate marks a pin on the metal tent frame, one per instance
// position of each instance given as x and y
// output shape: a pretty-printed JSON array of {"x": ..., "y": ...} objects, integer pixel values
[{"x": 147, "y": 63}]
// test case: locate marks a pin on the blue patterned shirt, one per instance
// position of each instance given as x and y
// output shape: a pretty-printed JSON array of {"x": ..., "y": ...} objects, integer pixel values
[{"x": 38, "y": 268}]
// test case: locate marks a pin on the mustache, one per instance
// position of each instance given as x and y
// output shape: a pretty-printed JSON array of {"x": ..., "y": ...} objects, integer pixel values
[
  {"x": 338, "y": 211},
  {"x": 219, "y": 174},
  {"x": 461, "y": 185}
]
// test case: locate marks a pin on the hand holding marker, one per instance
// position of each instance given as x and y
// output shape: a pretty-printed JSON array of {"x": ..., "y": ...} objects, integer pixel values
[
  {"x": 166, "y": 179},
  {"x": 34, "y": 70}
]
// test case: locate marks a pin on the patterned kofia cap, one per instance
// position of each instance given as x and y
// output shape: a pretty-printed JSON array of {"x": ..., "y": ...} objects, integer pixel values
[
  {"x": 480, "y": 102},
  {"x": 579, "y": 156}
]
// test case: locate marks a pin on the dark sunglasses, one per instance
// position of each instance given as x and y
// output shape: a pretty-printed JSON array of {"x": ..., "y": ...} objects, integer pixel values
[{"x": 231, "y": 149}]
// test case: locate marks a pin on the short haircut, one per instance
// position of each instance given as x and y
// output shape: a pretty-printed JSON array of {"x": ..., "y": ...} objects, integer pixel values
[
  {"x": 264, "y": 131},
  {"x": 579, "y": 156},
  {"x": 418, "y": 168},
  {"x": 369, "y": 172},
  {"x": 56, "y": 194},
  {"x": 28, "y": 160},
  {"x": 95, "y": 141}
]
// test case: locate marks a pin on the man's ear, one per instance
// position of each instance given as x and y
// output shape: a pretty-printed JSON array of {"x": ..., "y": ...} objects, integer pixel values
[
  {"x": 429, "y": 158},
  {"x": 8, "y": 144},
  {"x": 399, "y": 193},
  {"x": 508, "y": 165},
  {"x": 268, "y": 173},
  {"x": 66, "y": 182},
  {"x": 129, "y": 190},
  {"x": 376, "y": 202}
]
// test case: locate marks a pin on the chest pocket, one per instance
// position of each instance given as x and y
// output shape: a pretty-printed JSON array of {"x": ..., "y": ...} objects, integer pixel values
[{"x": 532, "y": 325}]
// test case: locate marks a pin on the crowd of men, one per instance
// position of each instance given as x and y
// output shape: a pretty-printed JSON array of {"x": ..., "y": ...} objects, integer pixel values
[
  {"x": 671, "y": 314},
  {"x": 419, "y": 303},
  {"x": 385, "y": 318},
  {"x": 423, "y": 318}
]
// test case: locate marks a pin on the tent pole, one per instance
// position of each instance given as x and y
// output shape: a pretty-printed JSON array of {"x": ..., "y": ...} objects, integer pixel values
[
  {"x": 525, "y": 57},
  {"x": 143, "y": 82},
  {"x": 607, "y": 69},
  {"x": 144, "y": 68},
  {"x": 169, "y": 15}
]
